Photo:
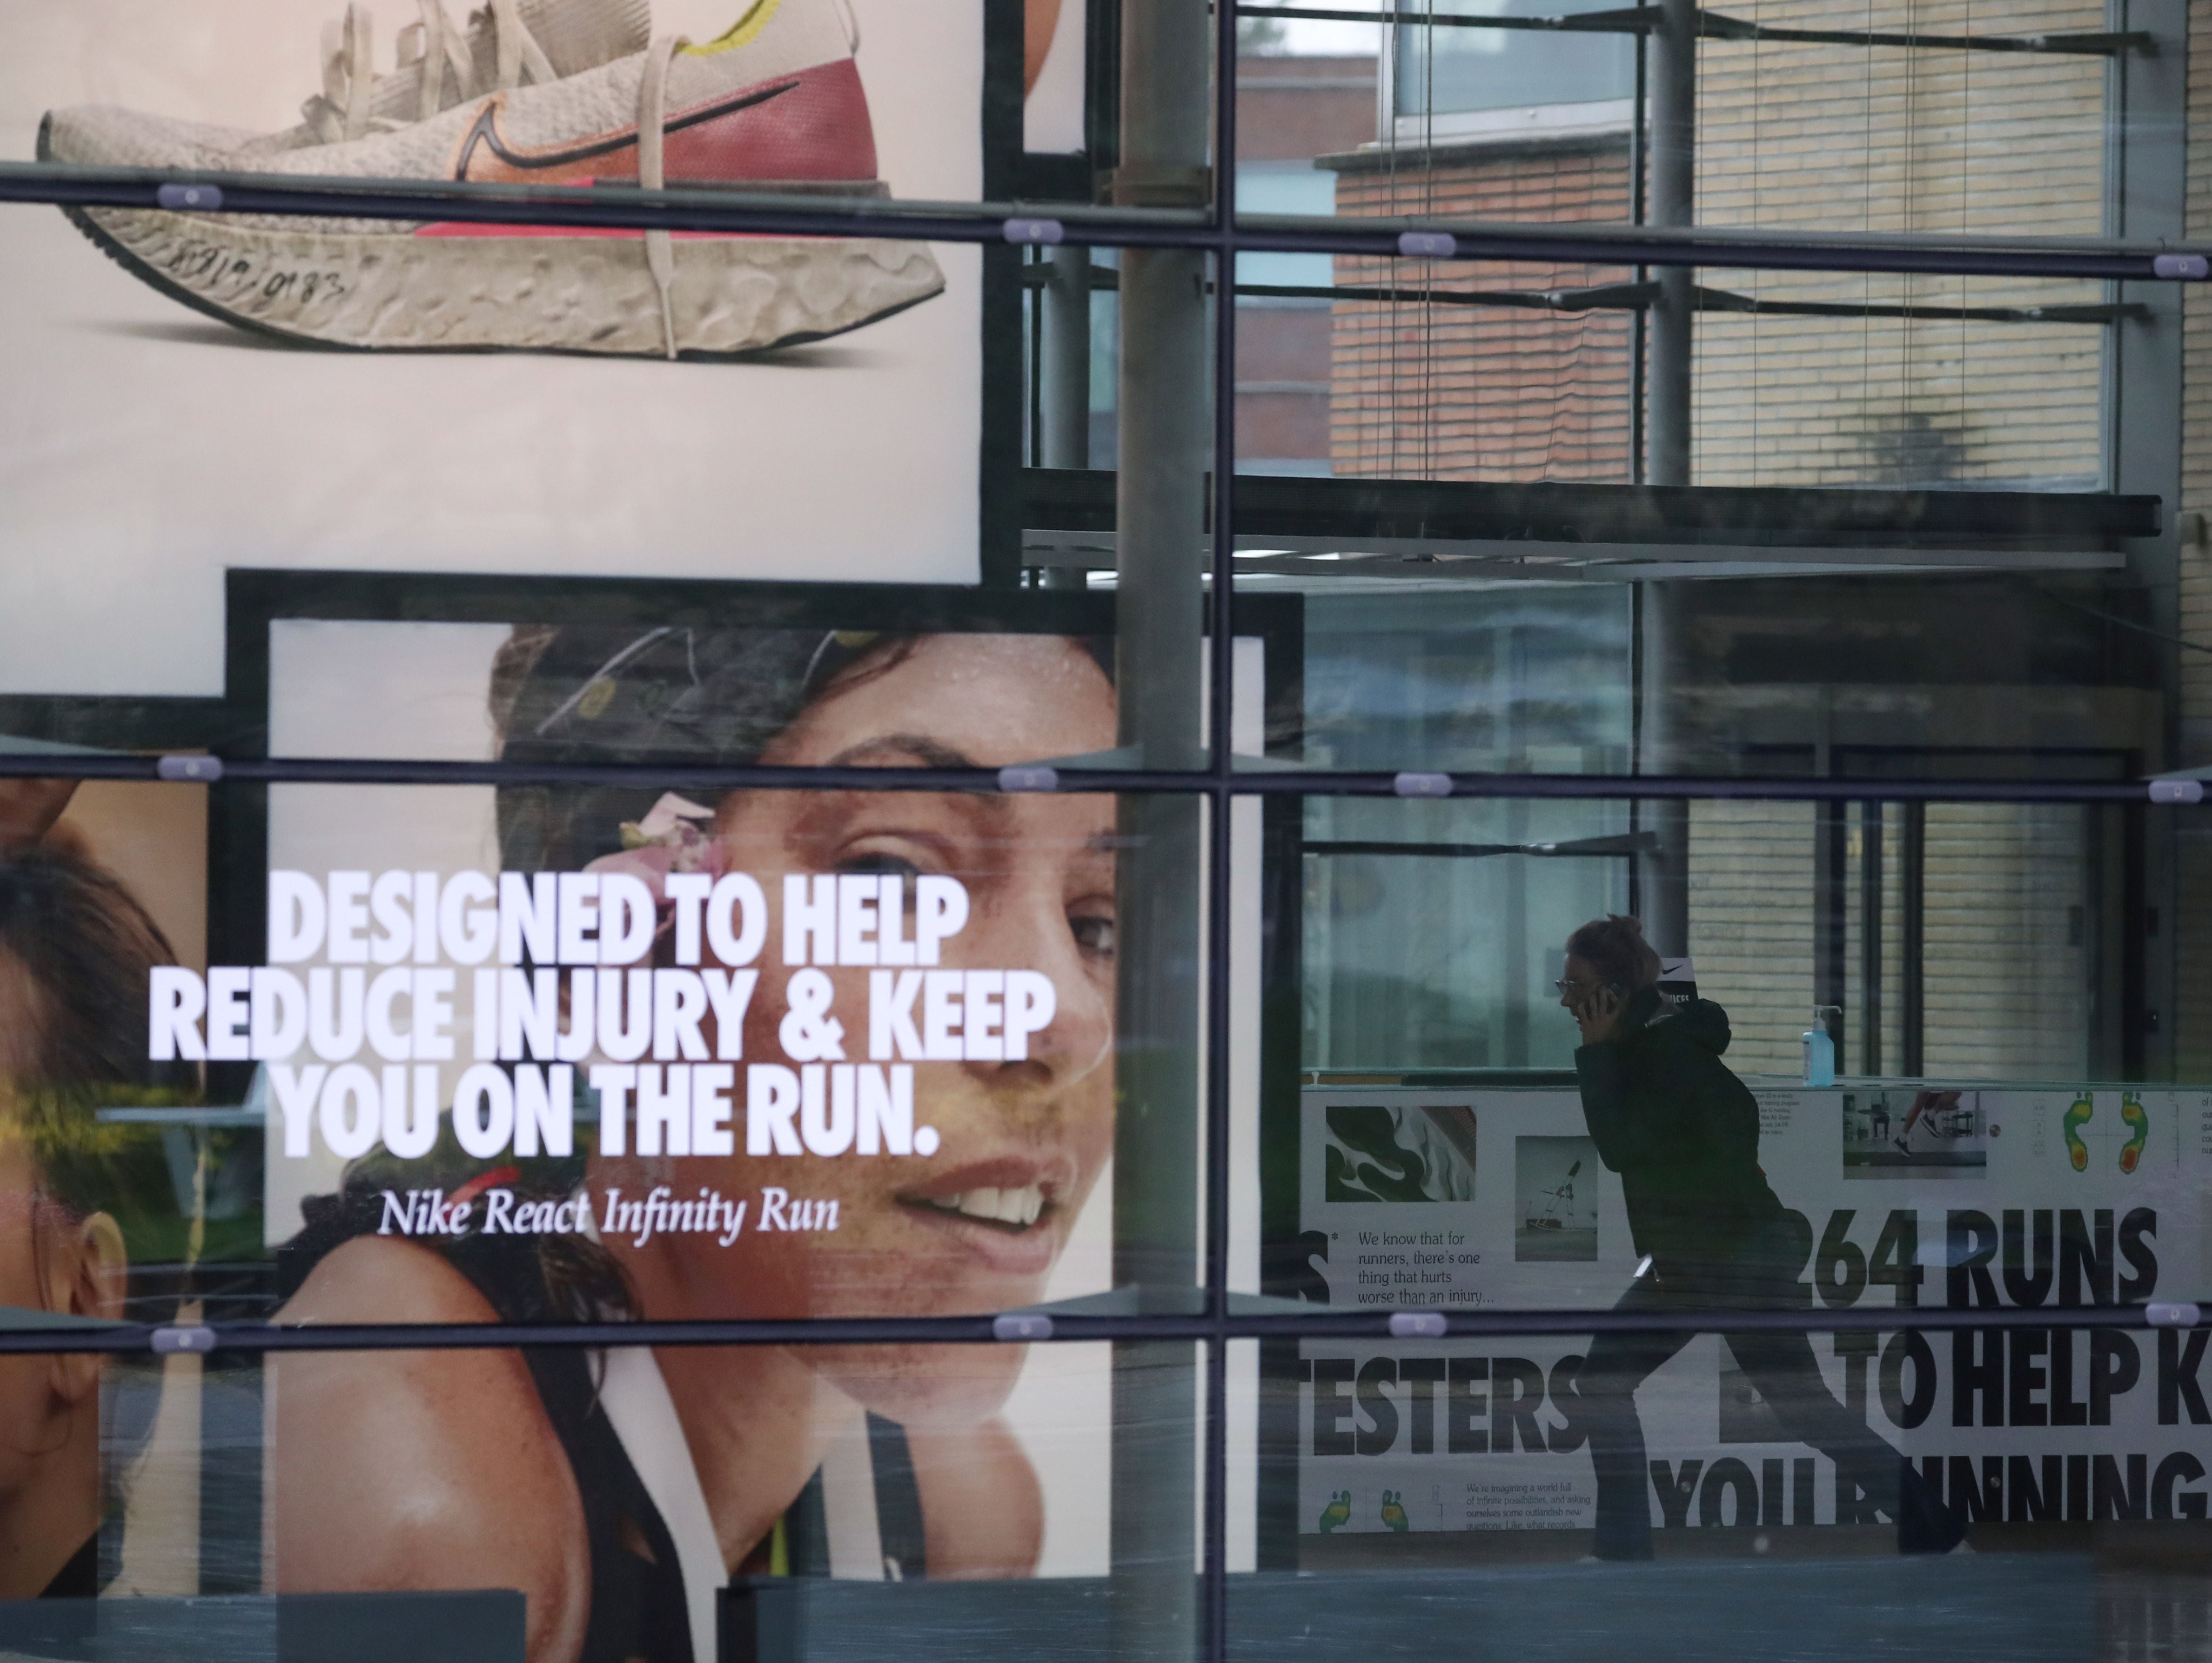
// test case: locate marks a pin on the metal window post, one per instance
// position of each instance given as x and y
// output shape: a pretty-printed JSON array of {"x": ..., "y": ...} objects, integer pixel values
[
  {"x": 1064, "y": 355},
  {"x": 1663, "y": 880},
  {"x": 1165, "y": 438}
]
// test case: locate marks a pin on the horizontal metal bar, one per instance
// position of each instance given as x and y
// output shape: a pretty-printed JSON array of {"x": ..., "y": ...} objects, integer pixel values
[
  {"x": 1634, "y": 786},
  {"x": 1317, "y": 1322},
  {"x": 1597, "y": 243},
  {"x": 1631, "y": 562},
  {"x": 1722, "y": 299},
  {"x": 1407, "y": 515},
  {"x": 1635, "y": 297},
  {"x": 1718, "y": 26},
  {"x": 622, "y": 208},
  {"x": 1605, "y": 296},
  {"x": 1714, "y": 26},
  {"x": 1581, "y": 848},
  {"x": 1257, "y": 782}
]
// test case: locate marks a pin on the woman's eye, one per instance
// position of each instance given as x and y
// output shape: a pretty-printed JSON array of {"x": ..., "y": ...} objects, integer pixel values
[
  {"x": 1094, "y": 935},
  {"x": 880, "y": 864}
]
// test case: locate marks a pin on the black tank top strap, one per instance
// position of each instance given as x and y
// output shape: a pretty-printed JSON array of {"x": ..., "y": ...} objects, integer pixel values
[
  {"x": 898, "y": 1502},
  {"x": 638, "y": 1611}
]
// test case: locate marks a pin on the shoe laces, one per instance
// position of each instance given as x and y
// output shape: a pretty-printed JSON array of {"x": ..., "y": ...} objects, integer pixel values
[
  {"x": 442, "y": 55},
  {"x": 653, "y": 175}
]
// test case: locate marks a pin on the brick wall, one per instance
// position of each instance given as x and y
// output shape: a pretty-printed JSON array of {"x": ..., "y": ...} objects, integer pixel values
[
  {"x": 1852, "y": 138},
  {"x": 2193, "y": 926},
  {"x": 1750, "y": 925},
  {"x": 1790, "y": 135},
  {"x": 1449, "y": 391}
]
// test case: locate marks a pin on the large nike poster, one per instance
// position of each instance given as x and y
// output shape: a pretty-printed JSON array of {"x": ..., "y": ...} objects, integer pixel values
[
  {"x": 747, "y": 1053},
  {"x": 192, "y": 392}
]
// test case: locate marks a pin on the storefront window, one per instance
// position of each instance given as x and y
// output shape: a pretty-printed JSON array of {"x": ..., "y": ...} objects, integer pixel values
[{"x": 1087, "y": 827}]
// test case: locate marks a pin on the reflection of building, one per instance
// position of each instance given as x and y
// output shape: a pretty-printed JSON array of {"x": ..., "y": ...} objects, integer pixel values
[
  {"x": 1529, "y": 127},
  {"x": 1489, "y": 125},
  {"x": 1290, "y": 109},
  {"x": 1959, "y": 938}
]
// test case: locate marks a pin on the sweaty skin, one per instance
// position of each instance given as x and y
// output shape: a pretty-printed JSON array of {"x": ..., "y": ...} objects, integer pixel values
[{"x": 441, "y": 1470}]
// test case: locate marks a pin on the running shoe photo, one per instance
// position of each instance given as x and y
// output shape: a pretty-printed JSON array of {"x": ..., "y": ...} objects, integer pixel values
[{"x": 539, "y": 92}]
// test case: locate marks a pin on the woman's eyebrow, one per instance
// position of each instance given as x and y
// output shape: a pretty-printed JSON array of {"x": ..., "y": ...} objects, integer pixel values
[{"x": 928, "y": 752}]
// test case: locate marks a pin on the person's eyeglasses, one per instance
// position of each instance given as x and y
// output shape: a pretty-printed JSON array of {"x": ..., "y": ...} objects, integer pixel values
[{"x": 1572, "y": 987}]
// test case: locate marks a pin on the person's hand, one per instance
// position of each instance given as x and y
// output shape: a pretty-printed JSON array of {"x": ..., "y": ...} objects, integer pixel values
[{"x": 1599, "y": 1015}]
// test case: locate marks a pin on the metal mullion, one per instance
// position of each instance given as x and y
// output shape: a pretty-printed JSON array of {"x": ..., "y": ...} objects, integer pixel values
[
  {"x": 1318, "y": 1322},
  {"x": 1720, "y": 25},
  {"x": 1585, "y": 787},
  {"x": 1214, "y": 1468},
  {"x": 1565, "y": 242}
]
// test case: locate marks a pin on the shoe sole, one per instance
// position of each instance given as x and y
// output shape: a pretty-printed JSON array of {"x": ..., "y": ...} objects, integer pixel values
[{"x": 529, "y": 292}]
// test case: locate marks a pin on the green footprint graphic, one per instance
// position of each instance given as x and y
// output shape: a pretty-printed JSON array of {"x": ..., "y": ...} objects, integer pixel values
[
  {"x": 1338, "y": 1512},
  {"x": 1394, "y": 1514},
  {"x": 2131, "y": 1111},
  {"x": 2077, "y": 1150}
]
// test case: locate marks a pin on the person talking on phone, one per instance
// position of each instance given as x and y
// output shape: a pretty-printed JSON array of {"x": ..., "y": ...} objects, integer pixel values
[{"x": 1682, "y": 1131}]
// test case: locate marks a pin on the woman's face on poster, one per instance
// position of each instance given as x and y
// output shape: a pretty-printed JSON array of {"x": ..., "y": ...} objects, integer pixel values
[{"x": 978, "y": 1224}]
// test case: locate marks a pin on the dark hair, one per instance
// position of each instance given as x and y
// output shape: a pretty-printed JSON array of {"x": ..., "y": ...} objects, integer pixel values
[
  {"x": 686, "y": 697},
  {"x": 86, "y": 948},
  {"x": 1615, "y": 948}
]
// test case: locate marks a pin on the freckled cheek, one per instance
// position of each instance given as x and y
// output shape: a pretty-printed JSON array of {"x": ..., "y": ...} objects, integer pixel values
[{"x": 1092, "y": 1127}]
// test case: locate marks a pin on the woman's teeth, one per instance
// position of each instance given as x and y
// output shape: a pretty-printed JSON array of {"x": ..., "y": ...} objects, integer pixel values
[{"x": 1002, "y": 1206}]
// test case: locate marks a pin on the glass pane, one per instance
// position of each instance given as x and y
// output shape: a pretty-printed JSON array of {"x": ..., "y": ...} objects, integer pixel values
[
  {"x": 1409, "y": 1493},
  {"x": 1537, "y": 652},
  {"x": 791, "y": 442},
  {"x": 612, "y": 1051},
  {"x": 1440, "y": 71},
  {"x": 690, "y": 1501},
  {"x": 1881, "y": 1047}
]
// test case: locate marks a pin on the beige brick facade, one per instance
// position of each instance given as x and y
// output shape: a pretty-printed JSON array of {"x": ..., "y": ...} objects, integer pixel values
[
  {"x": 1884, "y": 139},
  {"x": 1446, "y": 392},
  {"x": 2193, "y": 852},
  {"x": 1841, "y": 137}
]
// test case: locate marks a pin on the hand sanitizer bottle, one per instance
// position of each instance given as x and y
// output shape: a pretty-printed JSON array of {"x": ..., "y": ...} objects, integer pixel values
[{"x": 1820, "y": 1050}]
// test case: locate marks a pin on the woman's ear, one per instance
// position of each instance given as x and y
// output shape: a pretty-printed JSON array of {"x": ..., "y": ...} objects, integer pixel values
[
  {"x": 85, "y": 1278},
  {"x": 104, "y": 1267}
]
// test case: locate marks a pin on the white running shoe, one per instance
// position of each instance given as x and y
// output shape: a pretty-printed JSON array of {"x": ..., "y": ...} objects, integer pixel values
[{"x": 776, "y": 103}]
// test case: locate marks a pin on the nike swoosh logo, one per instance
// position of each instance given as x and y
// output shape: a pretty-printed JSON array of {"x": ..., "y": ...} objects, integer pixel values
[{"x": 484, "y": 135}]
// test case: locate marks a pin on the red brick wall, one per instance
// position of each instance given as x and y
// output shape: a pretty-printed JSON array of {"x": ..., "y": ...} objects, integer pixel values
[{"x": 1479, "y": 392}]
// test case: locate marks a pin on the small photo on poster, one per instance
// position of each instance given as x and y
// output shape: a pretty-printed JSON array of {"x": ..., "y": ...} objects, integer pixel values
[
  {"x": 1927, "y": 1132},
  {"x": 1399, "y": 1152},
  {"x": 1554, "y": 1200}
]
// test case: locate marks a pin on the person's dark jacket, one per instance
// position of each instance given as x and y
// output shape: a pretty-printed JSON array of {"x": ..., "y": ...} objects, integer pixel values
[{"x": 1680, "y": 1130}]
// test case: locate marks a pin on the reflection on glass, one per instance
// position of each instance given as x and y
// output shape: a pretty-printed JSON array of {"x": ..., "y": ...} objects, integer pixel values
[
  {"x": 1446, "y": 71},
  {"x": 883, "y": 1022},
  {"x": 83, "y": 1191},
  {"x": 1683, "y": 1132},
  {"x": 596, "y": 1522}
]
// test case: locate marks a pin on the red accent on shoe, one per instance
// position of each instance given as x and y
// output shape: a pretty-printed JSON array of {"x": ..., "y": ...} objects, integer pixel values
[
  {"x": 818, "y": 131},
  {"x": 812, "y": 127}
]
